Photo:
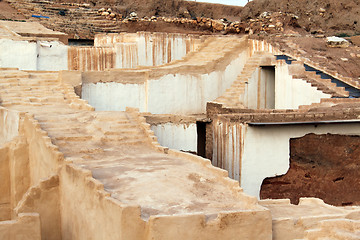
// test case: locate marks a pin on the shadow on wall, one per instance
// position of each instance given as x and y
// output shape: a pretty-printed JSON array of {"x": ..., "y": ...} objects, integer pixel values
[{"x": 323, "y": 166}]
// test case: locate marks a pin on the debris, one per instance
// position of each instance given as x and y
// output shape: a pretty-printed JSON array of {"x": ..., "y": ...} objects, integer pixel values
[
  {"x": 264, "y": 15},
  {"x": 337, "y": 42},
  {"x": 39, "y": 16},
  {"x": 218, "y": 25},
  {"x": 133, "y": 14}
]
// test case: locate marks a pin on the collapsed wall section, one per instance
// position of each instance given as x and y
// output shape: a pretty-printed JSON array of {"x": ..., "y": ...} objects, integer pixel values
[
  {"x": 254, "y": 152},
  {"x": 323, "y": 166}
]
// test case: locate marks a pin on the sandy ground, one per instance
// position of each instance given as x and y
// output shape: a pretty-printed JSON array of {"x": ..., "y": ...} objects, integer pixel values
[{"x": 8, "y": 12}]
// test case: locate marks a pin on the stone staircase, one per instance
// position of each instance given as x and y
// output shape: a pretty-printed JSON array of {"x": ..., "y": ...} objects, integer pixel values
[
  {"x": 323, "y": 85},
  {"x": 43, "y": 95},
  {"x": 232, "y": 95},
  {"x": 323, "y": 80},
  {"x": 80, "y": 20},
  {"x": 212, "y": 51},
  {"x": 119, "y": 150}
]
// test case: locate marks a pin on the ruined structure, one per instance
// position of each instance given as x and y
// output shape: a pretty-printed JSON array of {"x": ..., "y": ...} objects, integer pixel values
[{"x": 80, "y": 129}]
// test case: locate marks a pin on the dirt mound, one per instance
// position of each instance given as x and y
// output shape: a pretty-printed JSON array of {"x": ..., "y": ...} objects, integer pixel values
[
  {"x": 167, "y": 8},
  {"x": 7, "y": 12},
  {"x": 332, "y": 16}
]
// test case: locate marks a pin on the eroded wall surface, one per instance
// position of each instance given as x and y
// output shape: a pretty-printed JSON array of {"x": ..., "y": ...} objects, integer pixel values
[
  {"x": 148, "y": 49},
  {"x": 322, "y": 166},
  {"x": 290, "y": 93},
  {"x": 260, "y": 152}
]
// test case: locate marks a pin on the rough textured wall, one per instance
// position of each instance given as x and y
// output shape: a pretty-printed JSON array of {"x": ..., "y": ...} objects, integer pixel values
[
  {"x": 25, "y": 227},
  {"x": 147, "y": 49},
  {"x": 44, "y": 199},
  {"x": 91, "y": 58},
  {"x": 5, "y": 209},
  {"x": 265, "y": 149},
  {"x": 323, "y": 166}
]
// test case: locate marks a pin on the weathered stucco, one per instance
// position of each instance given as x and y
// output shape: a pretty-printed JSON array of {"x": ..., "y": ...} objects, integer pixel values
[{"x": 252, "y": 153}]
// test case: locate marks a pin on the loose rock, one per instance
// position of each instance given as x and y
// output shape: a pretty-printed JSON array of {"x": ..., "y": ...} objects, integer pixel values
[{"x": 337, "y": 42}]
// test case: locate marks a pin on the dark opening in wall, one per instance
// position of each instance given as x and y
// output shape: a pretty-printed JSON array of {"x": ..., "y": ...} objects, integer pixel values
[
  {"x": 201, "y": 138},
  {"x": 267, "y": 75},
  {"x": 81, "y": 42},
  {"x": 323, "y": 166}
]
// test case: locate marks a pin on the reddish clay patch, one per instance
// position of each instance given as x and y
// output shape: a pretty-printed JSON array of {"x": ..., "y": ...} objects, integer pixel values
[{"x": 322, "y": 166}]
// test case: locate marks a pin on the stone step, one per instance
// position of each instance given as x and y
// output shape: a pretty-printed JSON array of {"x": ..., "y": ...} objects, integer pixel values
[{"x": 73, "y": 137}]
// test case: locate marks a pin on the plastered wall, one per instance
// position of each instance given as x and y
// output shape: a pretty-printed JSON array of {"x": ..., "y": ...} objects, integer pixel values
[
  {"x": 277, "y": 89},
  {"x": 44, "y": 157},
  {"x": 256, "y": 153},
  {"x": 177, "y": 136},
  {"x": 5, "y": 208},
  {"x": 291, "y": 92},
  {"x": 33, "y": 55},
  {"x": 179, "y": 93},
  {"x": 110, "y": 51}
]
